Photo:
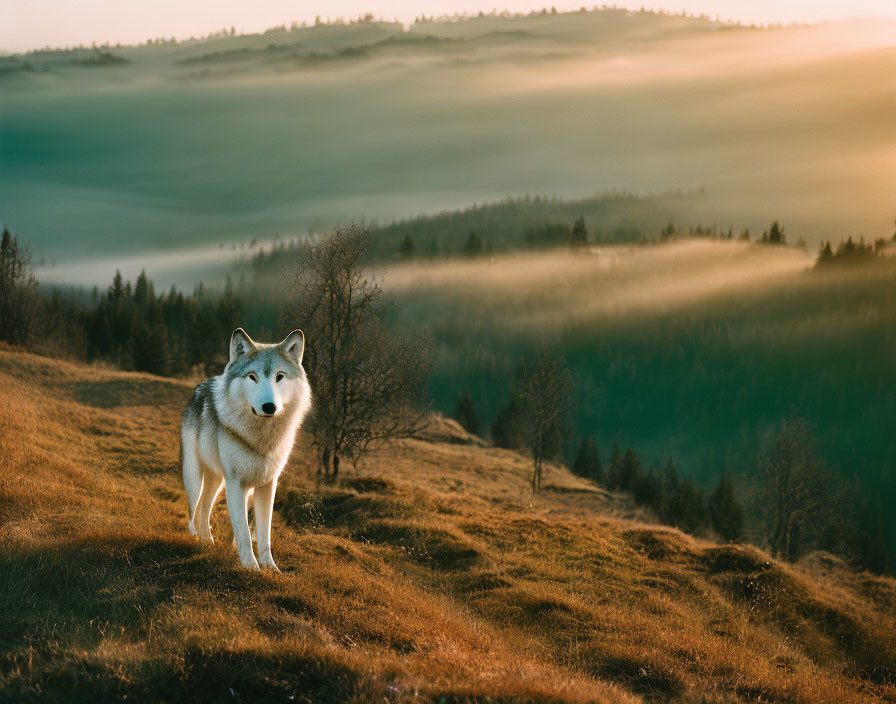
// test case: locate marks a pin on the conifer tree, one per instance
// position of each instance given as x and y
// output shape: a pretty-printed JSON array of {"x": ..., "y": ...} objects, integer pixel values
[
  {"x": 18, "y": 290},
  {"x": 587, "y": 463},
  {"x": 406, "y": 250},
  {"x": 629, "y": 470},
  {"x": 474, "y": 245},
  {"x": 465, "y": 413},
  {"x": 507, "y": 430},
  {"x": 670, "y": 478},
  {"x": 579, "y": 235},
  {"x": 691, "y": 513},
  {"x": 776, "y": 234},
  {"x": 648, "y": 489},
  {"x": 725, "y": 512},
  {"x": 614, "y": 469}
]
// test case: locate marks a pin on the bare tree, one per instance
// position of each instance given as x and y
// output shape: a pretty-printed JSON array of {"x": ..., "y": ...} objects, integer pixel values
[
  {"x": 18, "y": 290},
  {"x": 368, "y": 384},
  {"x": 797, "y": 495},
  {"x": 543, "y": 389}
]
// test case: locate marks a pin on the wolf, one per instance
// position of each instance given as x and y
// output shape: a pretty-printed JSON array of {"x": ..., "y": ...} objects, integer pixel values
[{"x": 237, "y": 432}]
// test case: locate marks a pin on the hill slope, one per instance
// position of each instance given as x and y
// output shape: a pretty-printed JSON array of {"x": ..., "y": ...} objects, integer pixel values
[{"x": 424, "y": 576}]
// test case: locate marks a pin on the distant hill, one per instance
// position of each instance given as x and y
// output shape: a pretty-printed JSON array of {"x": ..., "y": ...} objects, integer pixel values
[
  {"x": 426, "y": 575},
  {"x": 610, "y": 218}
]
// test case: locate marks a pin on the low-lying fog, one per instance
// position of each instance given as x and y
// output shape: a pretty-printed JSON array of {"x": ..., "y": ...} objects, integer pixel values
[
  {"x": 183, "y": 268},
  {"x": 544, "y": 292}
]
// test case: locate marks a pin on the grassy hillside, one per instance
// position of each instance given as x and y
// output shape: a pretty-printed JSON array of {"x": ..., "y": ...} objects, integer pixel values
[
  {"x": 426, "y": 575},
  {"x": 231, "y": 138}
]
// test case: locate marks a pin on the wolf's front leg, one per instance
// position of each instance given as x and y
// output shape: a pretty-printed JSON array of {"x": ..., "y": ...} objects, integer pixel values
[
  {"x": 236, "y": 505},
  {"x": 264, "y": 509}
]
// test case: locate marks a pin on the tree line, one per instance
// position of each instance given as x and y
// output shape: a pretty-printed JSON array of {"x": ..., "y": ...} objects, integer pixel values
[
  {"x": 128, "y": 324},
  {"x": 850, "y": 251},
  {"x": 169, "y": 334},
  {"x": 612, "y": 217},
  {"x": 555, "y": 234}
]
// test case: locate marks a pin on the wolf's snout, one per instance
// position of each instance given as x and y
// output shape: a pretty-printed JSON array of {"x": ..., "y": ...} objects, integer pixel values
[{"x": 268, "y": 408}]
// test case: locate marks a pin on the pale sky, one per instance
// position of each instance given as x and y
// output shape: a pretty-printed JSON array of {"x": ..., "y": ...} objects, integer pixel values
[{"x": 29, "y": 24}]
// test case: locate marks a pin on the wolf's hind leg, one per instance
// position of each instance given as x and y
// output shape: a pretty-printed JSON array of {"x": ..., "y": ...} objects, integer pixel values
[
  {"x": 211, "y": 486},
  {"x": 192, "y": 473}
]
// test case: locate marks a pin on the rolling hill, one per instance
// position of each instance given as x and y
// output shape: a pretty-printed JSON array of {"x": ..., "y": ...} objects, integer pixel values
[
  {"x": 428, "y": 574},
  {"x": 139, "y": 150}
]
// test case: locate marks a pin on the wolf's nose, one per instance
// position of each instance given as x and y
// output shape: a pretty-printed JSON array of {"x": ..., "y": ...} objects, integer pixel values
[{"x": 268, "y": 408}]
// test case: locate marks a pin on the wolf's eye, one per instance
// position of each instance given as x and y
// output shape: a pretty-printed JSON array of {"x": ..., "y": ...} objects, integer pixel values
[
  {"x": 280, "y": 376},
  {"x": 253, "y": 378}
]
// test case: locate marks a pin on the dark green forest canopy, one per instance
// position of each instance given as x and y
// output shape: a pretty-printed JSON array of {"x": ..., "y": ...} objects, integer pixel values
[{"x": 706, "y": 384}]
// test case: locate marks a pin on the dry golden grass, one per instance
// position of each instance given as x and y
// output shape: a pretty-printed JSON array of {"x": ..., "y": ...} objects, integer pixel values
[{"x": 426, "y": 575}]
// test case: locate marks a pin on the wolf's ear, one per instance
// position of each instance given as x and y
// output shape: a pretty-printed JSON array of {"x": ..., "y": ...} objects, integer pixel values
[
  {"x": 294, "y": 346},
  {"x": 240, "y": 344}
]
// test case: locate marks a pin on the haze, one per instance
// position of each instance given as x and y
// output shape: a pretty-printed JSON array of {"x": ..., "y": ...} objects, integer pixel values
[
  {"x": 524, "y": 293},
  {"x": 230, "y": 139}
]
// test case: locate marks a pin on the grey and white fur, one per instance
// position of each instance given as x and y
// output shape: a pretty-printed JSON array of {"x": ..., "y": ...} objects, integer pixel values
[{"x": 237, "y": 432}]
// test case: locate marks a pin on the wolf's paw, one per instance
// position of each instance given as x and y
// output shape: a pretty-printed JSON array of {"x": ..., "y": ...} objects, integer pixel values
[
  {"x": 267, "y": 562},
  {"x": 207, "y": 537}
]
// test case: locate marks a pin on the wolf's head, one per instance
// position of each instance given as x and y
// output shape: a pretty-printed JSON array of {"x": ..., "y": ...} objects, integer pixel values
[{"x": 268, "y": 379}]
